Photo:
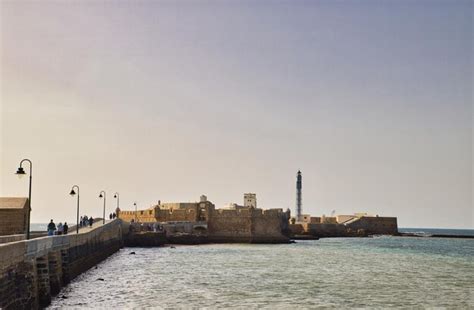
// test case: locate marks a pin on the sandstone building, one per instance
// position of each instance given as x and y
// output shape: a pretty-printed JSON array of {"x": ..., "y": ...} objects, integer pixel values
[
  {"x": 13, "y": 215},
  {"x": 239, "y": 224}
]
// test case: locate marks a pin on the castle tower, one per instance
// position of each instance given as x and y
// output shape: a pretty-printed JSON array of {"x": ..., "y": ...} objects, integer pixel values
[
  {"x": 250, "y": 200},
  {"x": 299, "y": 204}
]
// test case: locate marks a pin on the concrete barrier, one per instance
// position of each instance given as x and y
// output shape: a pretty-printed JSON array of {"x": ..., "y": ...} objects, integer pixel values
[{"x": 31, "y": 271}]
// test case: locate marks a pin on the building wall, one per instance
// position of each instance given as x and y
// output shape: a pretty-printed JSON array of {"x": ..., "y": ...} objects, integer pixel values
[
  {"x": 296, "y": 229},
  {"x": 325, "y": 229},
  {"x": 13, "y": 220},
  {"x": 328, "y": 220},
  {"x": 142, "y": 216},
  {"x": 232, "y": 225},
  {"x": 376, "y": 225}
]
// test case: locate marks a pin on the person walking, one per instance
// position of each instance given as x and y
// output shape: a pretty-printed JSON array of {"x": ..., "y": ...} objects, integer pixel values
[
  {"x": 114, "y": 215},
  {"x": 60, "y": 228},
  {"x": 51, "y": 228},
  {"x": 86, "y": 221},
  {"x": 65, "y": 228},
  {"x": 91, "y": 221},
  {"x": 81, "y": 221},
  {"x": 110, "y": 216}
]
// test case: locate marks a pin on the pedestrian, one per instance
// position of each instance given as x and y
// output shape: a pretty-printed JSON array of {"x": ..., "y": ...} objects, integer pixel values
[
  {"x": 65, "y": 228},
  {"x": 60, "y": 228},
  {"x": 110, "y": 216},
  {"x": 86, "y": 220},
  {"x": 81, "y": 221},
  {"x": 51, "y": 228},
  {"x": 114, "y": 215},
  {"x": 91, "y": 221}
]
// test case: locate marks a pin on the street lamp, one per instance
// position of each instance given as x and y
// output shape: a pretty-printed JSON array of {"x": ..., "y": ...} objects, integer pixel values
[
  {"x": 135, "y": 204},
  {"x": 103, "y": 196},
  {"x": 117, "y": 196},
  {"x": 21, "y": 172},
  {"x": 72, "y": 193}
]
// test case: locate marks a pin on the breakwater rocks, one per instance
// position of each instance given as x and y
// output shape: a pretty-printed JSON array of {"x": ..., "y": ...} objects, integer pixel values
[{"x": 32, "y": 271}]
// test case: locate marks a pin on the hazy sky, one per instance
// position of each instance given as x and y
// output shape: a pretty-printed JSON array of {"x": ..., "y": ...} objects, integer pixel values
[{"x": 372, "y": 100}]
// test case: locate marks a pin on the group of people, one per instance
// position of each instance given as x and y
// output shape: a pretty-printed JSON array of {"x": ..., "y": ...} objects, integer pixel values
[
  {"x": 59, "y": 230},
  {"x": 86, "y": 221},
  {"x": 62, "y": 229}
]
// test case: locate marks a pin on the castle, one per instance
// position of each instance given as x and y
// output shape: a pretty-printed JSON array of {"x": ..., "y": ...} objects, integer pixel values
[{"x": 245, "y": 223}]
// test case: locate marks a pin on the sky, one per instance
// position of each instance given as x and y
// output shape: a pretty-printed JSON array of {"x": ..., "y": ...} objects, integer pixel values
[{"x": 168, "y": 100}]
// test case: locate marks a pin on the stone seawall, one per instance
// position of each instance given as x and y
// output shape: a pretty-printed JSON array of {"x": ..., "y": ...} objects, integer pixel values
[{"x": 31, "y": 271}]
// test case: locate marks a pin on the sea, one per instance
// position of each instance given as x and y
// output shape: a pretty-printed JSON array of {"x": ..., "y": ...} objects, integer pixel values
[{"x": 331, "y": 273}]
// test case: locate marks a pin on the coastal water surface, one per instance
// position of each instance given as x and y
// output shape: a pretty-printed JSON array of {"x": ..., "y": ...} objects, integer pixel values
[{"x": 333, "y": 273}]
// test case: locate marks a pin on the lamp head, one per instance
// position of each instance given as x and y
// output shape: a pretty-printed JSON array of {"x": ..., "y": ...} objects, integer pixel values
[
  {"x": 100, "y": 196},
  {"x": 20, "y": 172},
  {"x": 115, "y": 196},
  {"x": 72, "y": 193}
]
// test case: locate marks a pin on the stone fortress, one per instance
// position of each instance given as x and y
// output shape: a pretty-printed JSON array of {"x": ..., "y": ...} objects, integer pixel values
[
  {"x": 236, "y": 223},
  {"x": 247, "y": 223}
]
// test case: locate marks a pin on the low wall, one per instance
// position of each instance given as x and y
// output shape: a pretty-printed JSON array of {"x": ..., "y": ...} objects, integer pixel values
[
  {"x": 11, "y": 238},
  {"x": 326, "y": 230},
  {"x": 376, "y": 225},
  {"x": 31, "y": 271}
]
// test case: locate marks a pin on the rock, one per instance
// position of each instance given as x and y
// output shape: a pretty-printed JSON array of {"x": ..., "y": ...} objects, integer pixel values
[
  {"x": 132, "y": 253},
  {"x": 100, "y": 279}
]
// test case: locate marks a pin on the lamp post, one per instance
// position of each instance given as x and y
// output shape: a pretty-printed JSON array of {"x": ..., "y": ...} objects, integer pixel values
[
  {"x": 72, "y": 193},
  {"x": 117, "y": 196},
  {"x": 135, "y": 204},
  {"x": 21, "y": 172},
  {"x": 103, "y": 196}
]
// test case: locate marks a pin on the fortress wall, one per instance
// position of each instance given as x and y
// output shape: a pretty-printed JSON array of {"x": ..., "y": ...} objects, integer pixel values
[
  {"x": 229, "y": 225},
  {"x": 169, "y": 212},
  {"x": 376, "y": 225},
  {"x": 296, "y": 229},
  {"x": 325, "y": 230},
  {"x": 267, "y": 226},
  {"x": 328, "y": 220},
  {"x": 188, "y": 214},
  {"x": 143, "y": 216},
  {"x": 246, "y": 225},
  {"x": 178, "y": 205},
  {"x": 31, "y": 271}
]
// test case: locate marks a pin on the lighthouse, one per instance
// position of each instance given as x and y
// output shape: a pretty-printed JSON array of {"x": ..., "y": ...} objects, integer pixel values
[{"x": 299, "y": 204}]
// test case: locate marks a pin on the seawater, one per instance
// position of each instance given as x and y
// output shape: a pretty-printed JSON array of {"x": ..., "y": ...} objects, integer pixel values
[{"x": 381, "y": 272}]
